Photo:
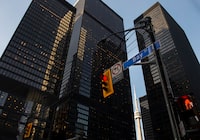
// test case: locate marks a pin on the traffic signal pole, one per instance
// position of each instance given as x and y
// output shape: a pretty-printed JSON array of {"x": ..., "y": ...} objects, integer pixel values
[
  {"x": 163, "y": 80},
  {"x": 146, "y": 25}
]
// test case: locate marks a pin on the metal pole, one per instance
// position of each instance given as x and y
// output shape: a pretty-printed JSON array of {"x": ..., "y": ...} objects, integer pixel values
[
  {"x": 163, "y": 81},
  {"x": 148, "y": 27}
]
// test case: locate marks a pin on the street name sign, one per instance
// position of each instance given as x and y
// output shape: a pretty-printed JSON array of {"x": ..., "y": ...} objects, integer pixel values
[{"x": 141, "y": 55}]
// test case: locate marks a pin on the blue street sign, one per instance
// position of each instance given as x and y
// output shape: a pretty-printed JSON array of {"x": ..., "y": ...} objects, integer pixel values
[
  {"x": 142, "y": 54},
  {"x": 157, "y": 44}
]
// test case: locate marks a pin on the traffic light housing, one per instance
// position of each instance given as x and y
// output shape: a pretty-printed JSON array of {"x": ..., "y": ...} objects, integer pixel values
[
  {"x": 185, "y": 103},
  {"x": 188, "y": 115},
  {"x": 187, "y": 110},
  {"x": 106, "y": 82},
  {"x": 28, "y": 129}
]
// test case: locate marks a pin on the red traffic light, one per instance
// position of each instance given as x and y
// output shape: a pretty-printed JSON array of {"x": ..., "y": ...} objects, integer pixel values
[
  {"x": 106, "y": 83},
  {"x": 104, "y": 78}
]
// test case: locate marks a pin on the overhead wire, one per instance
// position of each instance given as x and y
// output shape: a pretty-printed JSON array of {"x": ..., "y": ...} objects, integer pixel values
[
  {"x": 129, "y": 45},
  {"x": 130, "y": 36}
]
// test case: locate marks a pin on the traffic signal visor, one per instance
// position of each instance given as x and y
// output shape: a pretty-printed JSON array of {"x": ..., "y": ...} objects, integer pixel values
[{"x": 106, "y": 82}]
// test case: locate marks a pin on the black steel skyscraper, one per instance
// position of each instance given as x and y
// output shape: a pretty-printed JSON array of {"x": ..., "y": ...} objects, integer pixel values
[
  {"x": 146, "y": 118},
  {"x": 31, "y": 68},
  {"x": 85, "y": 113},
  {"x": 181, "y": 66},
  {"x": 52, "y": 84},
  {"x": 34, "y": 55}
]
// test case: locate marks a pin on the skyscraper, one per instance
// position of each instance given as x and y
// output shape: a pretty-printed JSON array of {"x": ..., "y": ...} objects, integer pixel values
[
  {"x": 85, "y": 113},
  {"x": 180, "y": 64},
  {"x": 31, "y": 67},
  {"x": 146, "y": 118}
]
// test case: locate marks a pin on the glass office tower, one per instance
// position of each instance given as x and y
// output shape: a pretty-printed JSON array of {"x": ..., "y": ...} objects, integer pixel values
[
  {"x": 180, "y": 64},
  {"x": 31, "y": 68},
  {"x": 146, "y": 118},
  {"x": 84, "y": 112}
]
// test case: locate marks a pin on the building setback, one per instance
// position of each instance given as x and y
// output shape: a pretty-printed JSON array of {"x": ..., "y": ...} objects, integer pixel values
[
  {"x": 85, "y": 113},
  {"x": 31, "y": 68},
  {"x": 180, "y": 64}
]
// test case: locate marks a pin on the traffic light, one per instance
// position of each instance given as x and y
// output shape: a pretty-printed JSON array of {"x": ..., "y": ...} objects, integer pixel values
[
  {"x": 185, "y": 103},
  {"x": 106, "y": 82},
  {"x": 28, "y": 129},
  {"x": 187, "y": 110}
]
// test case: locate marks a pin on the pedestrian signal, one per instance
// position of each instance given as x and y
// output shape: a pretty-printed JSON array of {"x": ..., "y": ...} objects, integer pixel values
[{"x": 185, "y": 102}]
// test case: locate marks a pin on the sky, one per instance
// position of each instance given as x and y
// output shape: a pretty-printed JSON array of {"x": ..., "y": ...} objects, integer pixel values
[{"x": 185, "y": 12}]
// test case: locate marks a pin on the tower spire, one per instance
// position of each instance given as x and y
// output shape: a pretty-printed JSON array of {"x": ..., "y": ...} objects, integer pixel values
[{"x": 137, "y": 116}]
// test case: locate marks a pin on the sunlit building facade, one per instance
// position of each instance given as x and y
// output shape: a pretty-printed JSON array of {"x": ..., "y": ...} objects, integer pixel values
[
  {"x": 180, "y": 64},
  {"x": 84, "y": 112},
  {"x": 31, "y": 68}
]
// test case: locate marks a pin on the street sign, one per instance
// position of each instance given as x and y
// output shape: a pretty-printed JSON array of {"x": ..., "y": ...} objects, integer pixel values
[
  {"x": 141, "y": 55},
  {"x": 117, "y": 72}
]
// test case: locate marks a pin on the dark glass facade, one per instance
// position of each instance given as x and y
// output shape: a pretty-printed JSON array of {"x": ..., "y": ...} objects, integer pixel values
[
  {"x": 180, "y": 64},
  {"x": 34, "y": 55},
  {"x": 85, "y": 113},
  {"x": 31, "y": 68},
  {"x": 146, "y": 118}
]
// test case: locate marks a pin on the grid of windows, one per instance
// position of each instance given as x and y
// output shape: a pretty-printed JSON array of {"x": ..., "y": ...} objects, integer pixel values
[
  {"x": 32, "y": 66},
  {"x": 93, "y": 116},
  {"x": 36, "y": 52},
  {"x": 174, "y": 51},
  {"x": 11, "y": 110},
  {"x": 82, "y": 119},
  {"x": 146, "y": 118}
]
